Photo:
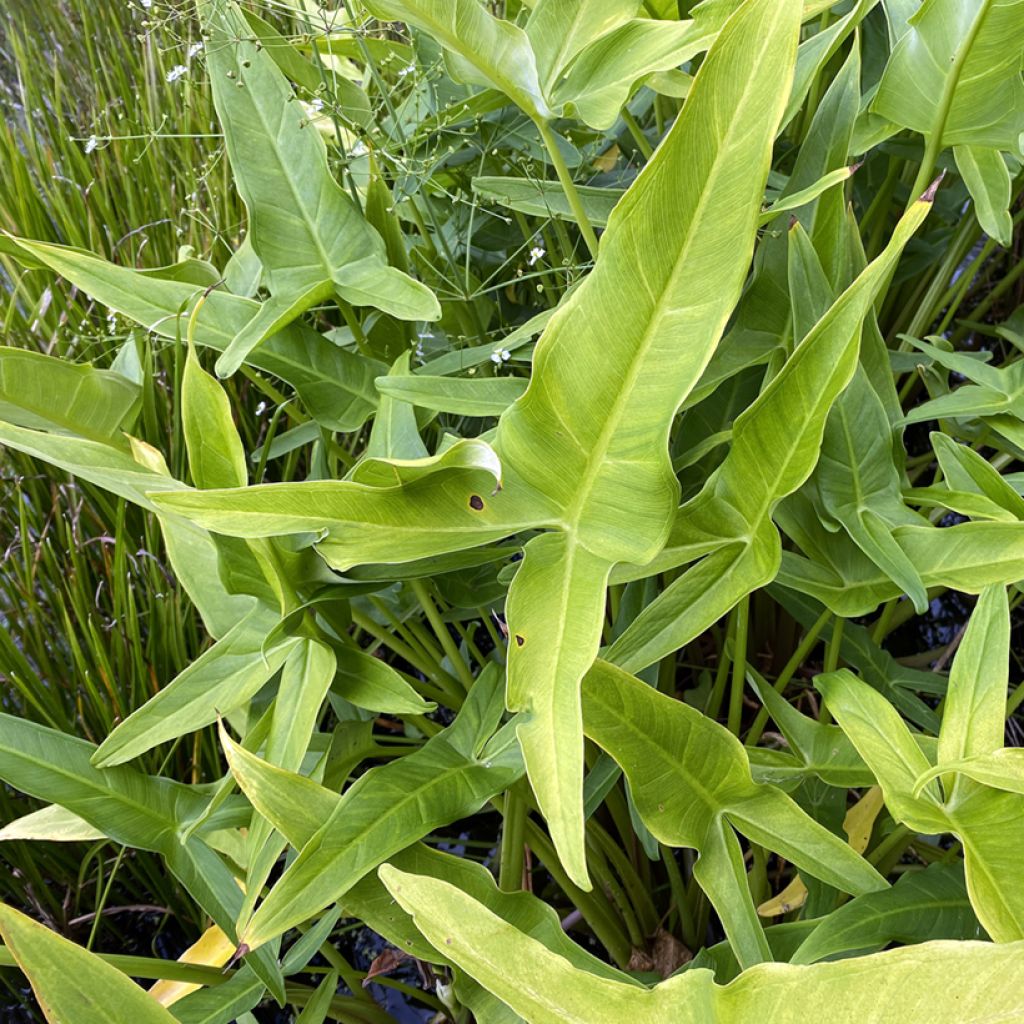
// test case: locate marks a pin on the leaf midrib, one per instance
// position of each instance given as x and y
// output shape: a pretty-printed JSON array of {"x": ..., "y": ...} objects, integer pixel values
[
  {"x": 611, "y": 424},
  {"x": 303, "y": 214},
  {"x": 368, "y": 829},
  {"x": 167, "y": 823},
  {"x": 716, "y": 809}
]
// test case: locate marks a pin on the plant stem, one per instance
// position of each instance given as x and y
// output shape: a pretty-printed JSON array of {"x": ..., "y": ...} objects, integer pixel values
[
  {"x": 687, "y": 925},
  {"x": 832, "y": 660},
  {"x": 442, "y": 633},
  {"x": 440, "y": 680},
  {"x": 575, "y": 202},
  {"x": 934, "y": 139},
  {"x": 150, "y": 968},
  {"x": 925, "y": 301},
  {"x": 888, "y": 852},
  {"x": 956, "y": 293},
  {"x": 714, "y": 704},
  {"x": 606, "y": 880},
  {"x": 345, "y": 970},
  {"x": 1015, "y": 699},
  {"x": 993, "y": 296},
  {"x": 637, "y": 133},
  {"x": 594, "y": 905},
  {"x": 796, "y": 660},
  {"x": 639, "y": 895},
  {"x": 834, "y": 645},
  {"x": 510, "y": 869},
  {"x": 739, "y": 667},
  {"x": 104, "y": 897}
]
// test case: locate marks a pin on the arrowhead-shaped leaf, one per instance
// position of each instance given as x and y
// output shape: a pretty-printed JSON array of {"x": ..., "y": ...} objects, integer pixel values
[
  {"x": 307, "y": 232},
  {"x": 609, "y": 374},
  {"x": 932, "y": 983},
  {"x": 655, "y": 738}
]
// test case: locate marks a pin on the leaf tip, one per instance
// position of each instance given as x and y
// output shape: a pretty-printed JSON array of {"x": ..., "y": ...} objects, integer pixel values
[
  {"x": 240, "y": 953},
  {"x": 928, "y": 196}
]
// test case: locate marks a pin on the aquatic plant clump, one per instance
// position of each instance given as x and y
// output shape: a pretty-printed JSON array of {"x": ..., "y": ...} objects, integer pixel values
[{"x": 563, "y": 438}]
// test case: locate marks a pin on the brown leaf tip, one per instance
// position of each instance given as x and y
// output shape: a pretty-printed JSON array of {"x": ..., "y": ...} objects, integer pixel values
[
  {"x": 389, "y": 960},
  {"x": 928, "y": 196},
  {"x": 241, "y": 952}
]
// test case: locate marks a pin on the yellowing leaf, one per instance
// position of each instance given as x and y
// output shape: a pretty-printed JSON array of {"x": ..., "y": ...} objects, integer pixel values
[
  {"x": 857, "y": 825},
  {"x": 213, "y": 948},
  {"x": 72, "y": 985}
]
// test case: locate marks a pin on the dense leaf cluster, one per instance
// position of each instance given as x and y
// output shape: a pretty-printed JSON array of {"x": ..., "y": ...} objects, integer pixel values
[{"x": 566, "y": 554}]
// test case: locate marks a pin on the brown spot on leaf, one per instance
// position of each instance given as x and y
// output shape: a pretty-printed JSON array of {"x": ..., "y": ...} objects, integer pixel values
[
  {"x": 520, "y": 640},
  {"x": 476, "y": 502}
]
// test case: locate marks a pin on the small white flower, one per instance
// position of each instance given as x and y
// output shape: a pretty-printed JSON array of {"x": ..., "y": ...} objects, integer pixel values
[
  {"x": 359, "y": 149},
  {"x": 317, "y": 104},
  {"x": 176, "y": 72},
  {"x": 419, "y": 350},
  {"x": 496, "y": 358},
  {"x": 261, "y": 408},
  {"x": 91, "y": 143},
  {"x": 535, "y": 254},
  {"x": 407, "y": 70},
  {"x": 146, "y": 4},
  {"x": 505, "y": 355},
  {"x": 194, "y": 49}
]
